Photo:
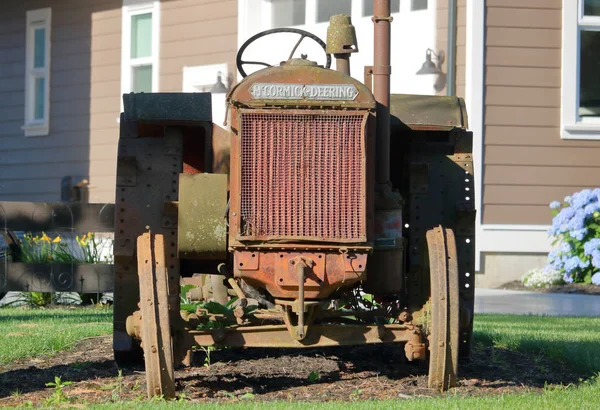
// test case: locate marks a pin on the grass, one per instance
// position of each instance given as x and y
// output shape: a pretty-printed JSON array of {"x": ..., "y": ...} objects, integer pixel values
[
  {"x": 38, "y": 332},
  {"x": 586, "y": 396},
  {"x": 575, "y": 340}
]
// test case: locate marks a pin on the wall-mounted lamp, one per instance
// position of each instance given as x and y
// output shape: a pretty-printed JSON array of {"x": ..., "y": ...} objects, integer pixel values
[
  {"x": 219, "y": 87},
  {"x": 429, "y": 67}
]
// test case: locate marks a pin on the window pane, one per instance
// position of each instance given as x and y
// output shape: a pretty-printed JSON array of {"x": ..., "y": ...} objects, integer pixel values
[
  {"x": 368, "y": 7},
  {"x": 285, "y": 13},
  {"x": 39, "y": 98},
  {"x": 589, "y": 87},
  {"x": 141, "y": 35},
  {"x": 142, "y": 79},
  {"x": 418, "y": 5},
  {"x": 328, "y": 8},
  {"x": 591, "y": 8},
  {"x": 39, "y": 48}
]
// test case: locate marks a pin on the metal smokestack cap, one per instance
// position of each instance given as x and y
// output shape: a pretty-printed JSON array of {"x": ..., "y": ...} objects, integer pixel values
[{"x": 341, "y": 35}]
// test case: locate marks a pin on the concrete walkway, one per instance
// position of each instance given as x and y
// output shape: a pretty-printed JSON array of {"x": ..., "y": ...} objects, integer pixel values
[{"x": 533, "y": 303}]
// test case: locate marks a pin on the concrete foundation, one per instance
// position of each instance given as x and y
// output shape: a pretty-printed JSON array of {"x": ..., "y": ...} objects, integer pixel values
[{"x": 500, "y": 268}]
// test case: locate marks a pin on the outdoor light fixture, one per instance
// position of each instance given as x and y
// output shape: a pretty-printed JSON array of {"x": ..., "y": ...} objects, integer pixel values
[
  {"x": 219, "y": 87},
  {"x": 429, "y": 67}
]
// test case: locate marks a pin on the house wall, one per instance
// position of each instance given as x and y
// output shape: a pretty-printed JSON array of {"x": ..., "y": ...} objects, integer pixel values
[
  {"x": 196, "y": 33},
  {"x": 461, "y": 39},
  {"x": 84, "y": 101},
  {"x": 527, "y": 164}
]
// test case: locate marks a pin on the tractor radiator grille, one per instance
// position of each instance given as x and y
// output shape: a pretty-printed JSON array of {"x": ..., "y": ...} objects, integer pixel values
[{"x": 303, "y": 177}]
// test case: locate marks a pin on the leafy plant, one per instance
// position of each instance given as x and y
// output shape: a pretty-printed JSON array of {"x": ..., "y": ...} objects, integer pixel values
[
  {"x": 247, "y": 396},
  {"x": 118, "y": 388},
  {"x": 58, "y": 396},
  {"x": 542, "y": 278},
  {"x": 355, "y": 395},
  {"x": 207, "y": 351},
  {"x": 576, "y": 228},
  {"x": 313, "y": 376},
  {"x": 44, "y": 249},
  {"x": 36, "y": 299}
]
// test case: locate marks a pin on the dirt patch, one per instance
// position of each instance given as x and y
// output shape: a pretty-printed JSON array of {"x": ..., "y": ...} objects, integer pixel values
[
  {"x": 345, "y": 373},
  {"x": 574, "y": 288}
]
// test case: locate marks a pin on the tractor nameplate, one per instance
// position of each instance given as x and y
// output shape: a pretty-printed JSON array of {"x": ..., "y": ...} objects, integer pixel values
[{"x": 325, "y": 92}]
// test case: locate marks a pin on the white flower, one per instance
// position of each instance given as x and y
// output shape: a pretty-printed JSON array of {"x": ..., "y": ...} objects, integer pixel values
[{"x": 541, "y": 278}]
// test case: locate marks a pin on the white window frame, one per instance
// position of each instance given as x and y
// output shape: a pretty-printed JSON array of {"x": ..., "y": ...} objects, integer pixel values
[
  {"x": 311, "y": 12},
  {"x": 36, "y": 19},
  {"x": 572, "y": 126},
  {"x": 130, "y": 9}
]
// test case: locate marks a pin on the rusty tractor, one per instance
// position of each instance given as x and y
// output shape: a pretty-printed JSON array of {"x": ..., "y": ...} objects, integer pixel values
[{"x": 332, "y": 213}]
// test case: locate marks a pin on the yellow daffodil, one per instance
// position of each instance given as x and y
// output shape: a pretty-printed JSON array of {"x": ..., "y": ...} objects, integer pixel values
[
  {"x": 45, "y": 238},
  {"x": 56, "y": 240},
  {"x": 81, "y": 241}
]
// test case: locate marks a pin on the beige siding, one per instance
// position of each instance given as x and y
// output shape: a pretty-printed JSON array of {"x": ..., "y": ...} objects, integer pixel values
[
  {"x": 527, "y": 164},
  {"x": 195, "y": 33},
  {"x": 461, "y": 37},
  {"x": 84, "y": 101}
]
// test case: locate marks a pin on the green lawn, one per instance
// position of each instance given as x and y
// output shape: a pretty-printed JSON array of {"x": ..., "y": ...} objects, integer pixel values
[
  {"x": 586, "y": 396},
  {"x": 575, "y": 340},
  {"x": 38, "y": 332}
]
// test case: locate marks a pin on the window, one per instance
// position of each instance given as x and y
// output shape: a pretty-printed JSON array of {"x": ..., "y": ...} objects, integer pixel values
[
  {"x": 140, "y": 47},
  {"x": 368, "y": 7},
  {"x": 328, "y": 8},
  {"x": 286, "y": 13},
  {"x": 37, "y": 76},
  {"x": 418, "y": 5},
  {"x": 580, "y": 108}
]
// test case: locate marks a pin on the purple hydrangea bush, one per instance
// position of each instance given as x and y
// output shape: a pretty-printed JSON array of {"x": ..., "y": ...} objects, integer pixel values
[{"x": 576, "y": 227}]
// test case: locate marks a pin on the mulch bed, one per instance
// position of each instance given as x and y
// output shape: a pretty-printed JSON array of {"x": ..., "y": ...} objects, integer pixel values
[
  {"x": 344, "y": 373},
  {"x": 573, "y": 288}
]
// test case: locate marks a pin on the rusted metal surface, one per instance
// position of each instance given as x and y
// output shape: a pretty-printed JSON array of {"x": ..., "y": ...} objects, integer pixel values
[
  {"x": 386, "y": 268},
  {"x": 140, "y": 207},
  {"x": 275, "y": 271},
  {"x": 221, "y": 146},
  {"x": 444, "y": 329},
  {"x": 341, "y": 35},
  {"x": 341, "y": 41},
  {"x": 54, "y": 277},
  {"x": 439, "y": 184},
  {"x": 381, "y": 86},
  {"x": 297, "y": 182},
  {"x": 319, "y": 335},
  {"x": 241, "y": 96},
  {"x": 202, "y": 229},
  {"x": 427, "y": 112},
  {"x": 156, "y": 325},
  {"x": 56, "y": 216}
]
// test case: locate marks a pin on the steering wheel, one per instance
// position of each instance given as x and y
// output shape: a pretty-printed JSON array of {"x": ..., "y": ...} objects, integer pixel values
[{"x": 239, "y": 62}]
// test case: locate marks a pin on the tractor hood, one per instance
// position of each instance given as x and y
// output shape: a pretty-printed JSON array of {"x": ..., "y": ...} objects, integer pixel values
[{"x": 301, "y": 86}]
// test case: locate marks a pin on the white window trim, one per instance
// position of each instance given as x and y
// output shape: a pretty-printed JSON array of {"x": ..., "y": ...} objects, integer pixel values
[
  {"x": 311, "y": 12},
  {"x": 573, "y": 127},
  {"x": 132, "y": 8},
  {"x": 40, "y": 18},
  {"x": 203, "y": 76}
]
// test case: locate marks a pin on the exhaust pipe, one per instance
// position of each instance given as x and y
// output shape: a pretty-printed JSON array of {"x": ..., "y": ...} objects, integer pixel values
[{"x": 381, "y": 84}]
